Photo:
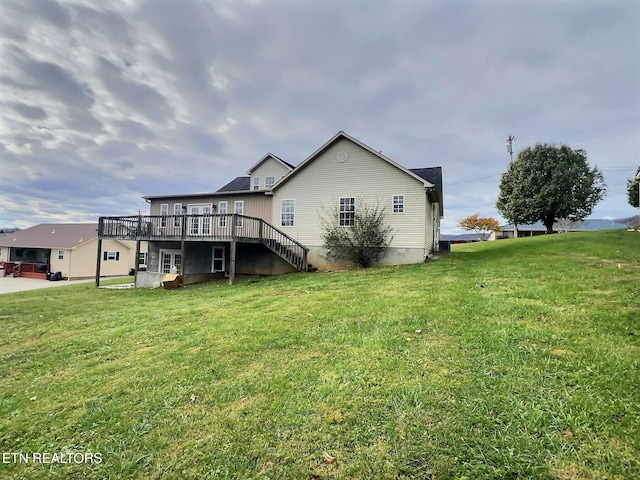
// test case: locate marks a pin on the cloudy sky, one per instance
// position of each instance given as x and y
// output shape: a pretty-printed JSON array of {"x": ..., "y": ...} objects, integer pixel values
[{"x": 104, "y": 102}]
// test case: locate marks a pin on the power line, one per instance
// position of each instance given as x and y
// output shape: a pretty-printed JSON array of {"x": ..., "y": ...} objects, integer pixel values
[{"x": 472, "y": 179}]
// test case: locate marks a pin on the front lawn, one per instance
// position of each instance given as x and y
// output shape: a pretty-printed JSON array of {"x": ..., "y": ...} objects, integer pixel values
[{"x": 510, "y": 359}]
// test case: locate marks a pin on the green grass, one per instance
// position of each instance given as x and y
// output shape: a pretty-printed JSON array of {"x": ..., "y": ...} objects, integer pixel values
[{"x": 527, "y": 365}]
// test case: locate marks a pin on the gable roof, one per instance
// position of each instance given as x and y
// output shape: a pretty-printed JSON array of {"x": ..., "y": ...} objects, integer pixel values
[
  {"x": 267, "y": 157},
  {"x": 238, "y": 184},
  {"x": 433, "y": 175},
  {"x": 342, "y": 135},
  {"x": 51, "y": 235}
]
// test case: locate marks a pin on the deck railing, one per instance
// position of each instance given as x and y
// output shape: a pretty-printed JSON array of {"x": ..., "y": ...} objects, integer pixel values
[{"x": 201, "y": 227}]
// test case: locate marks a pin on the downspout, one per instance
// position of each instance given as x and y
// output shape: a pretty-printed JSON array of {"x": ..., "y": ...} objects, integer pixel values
[{"x": 426, "y": 222}]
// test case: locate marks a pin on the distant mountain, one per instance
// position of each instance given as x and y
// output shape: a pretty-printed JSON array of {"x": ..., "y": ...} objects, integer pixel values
[{"x": 630, "y": 221}]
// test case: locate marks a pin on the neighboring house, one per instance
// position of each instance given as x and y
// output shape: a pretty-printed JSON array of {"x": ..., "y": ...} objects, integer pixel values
[
  {"x": 463, "y": 238},
  {"x": 269, "y": 222},
  {"x": 507, "y": 231},
  {"x": 68, "y": 248}
]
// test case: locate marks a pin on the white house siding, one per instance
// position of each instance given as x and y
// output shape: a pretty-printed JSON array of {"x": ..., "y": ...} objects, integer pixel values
[
  {"x": 319, "y": 185},
  {"x": 270, "y": 167},
  {"x": 80, "y": 261},
  {"x": 63, "y": 265}
]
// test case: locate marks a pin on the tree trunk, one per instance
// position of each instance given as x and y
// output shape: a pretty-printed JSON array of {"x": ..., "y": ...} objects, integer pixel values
[{"x": 548, "y": 223}]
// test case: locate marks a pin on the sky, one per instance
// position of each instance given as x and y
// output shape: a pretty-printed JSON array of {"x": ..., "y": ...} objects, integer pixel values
[{"x": 102, "y": 103}]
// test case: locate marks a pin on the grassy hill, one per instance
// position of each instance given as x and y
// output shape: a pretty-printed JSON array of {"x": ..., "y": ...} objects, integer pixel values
[{"x": 510, "y": 359}]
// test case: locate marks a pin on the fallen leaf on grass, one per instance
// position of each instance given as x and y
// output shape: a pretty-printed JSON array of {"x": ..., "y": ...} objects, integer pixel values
[
  {"x": 328, "y": 458},
  {"x": 316, "y": 477},
  {"x": 193, "y": 397},
  {"x": 33, "y": 399},
  {"x": 567, "y": 433}
]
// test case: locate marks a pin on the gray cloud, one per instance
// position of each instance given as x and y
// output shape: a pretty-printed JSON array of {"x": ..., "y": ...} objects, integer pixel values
[
  {"x": 34, "y": 113},
  {"x": 106, "y": 102}
]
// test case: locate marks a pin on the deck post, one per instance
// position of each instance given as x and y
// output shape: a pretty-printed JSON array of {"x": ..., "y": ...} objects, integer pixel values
[
  {"x": 136, "y": 261},
  {"x": 183, "y": 246},
  {"x": 98, "y": 260},
  {"x": 232, "y": 267}
]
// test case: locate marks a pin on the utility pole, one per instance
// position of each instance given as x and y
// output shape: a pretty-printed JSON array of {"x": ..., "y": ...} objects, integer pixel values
[{"x": 510, "y": 140}]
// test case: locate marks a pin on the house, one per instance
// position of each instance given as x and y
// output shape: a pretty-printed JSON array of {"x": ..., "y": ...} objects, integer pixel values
[
  {"x": 68, "y": 248},
  {"x": 508, "y": 231},
  {"x": 270, "y": 221}
]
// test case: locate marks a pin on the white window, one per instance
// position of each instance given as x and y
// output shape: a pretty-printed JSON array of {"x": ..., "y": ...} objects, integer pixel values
[
  {"x": 256, "y": 183},
  {"x": 287, "y": 213},
  {"x": 164, "y": 211},
  {"x": 177, "y": 212},
  {"x": 222, "y": 210},
  {"x": 142, "y": 258},
  {"x": 170, "y": 259},
  {"x": 269, "y": 181},
  {"x": 238, "y": 207},
  {"x": 218, "y": 259},
  {"x": 398, "y": 204},
  {"x": 200, "y": 219},
  {"x": 347, "y": 211},
  {"x": 60, "y": 254},
  {"x": 106, "y": 256}
]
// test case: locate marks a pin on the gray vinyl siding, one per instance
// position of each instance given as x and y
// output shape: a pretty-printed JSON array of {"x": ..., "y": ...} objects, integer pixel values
[
  {"x": 318, "y": 187},
  {"x": 255, "y": 205}
]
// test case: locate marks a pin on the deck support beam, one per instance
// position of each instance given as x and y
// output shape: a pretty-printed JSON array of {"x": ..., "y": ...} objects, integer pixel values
[
  {"x": 232, "y": 266},
  {"x": 98, "y": 260}
]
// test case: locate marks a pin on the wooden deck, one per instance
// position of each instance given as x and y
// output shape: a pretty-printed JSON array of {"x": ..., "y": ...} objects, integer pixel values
[{"x": 232, "y": 228}]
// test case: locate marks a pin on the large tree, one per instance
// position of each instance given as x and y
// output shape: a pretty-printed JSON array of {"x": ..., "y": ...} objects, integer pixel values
[
  {"x": 633, "y": 185},
  {"x": 548, "y": 183}
]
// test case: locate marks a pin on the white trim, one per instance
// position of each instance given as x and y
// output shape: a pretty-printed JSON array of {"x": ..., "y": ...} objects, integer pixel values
[
  {"x": 203, "y": 224},
  {"x": 272, "y": 184},
  {"x": 213, "y": 258},
  {"x": 172, "y": 252},
  {"x": 293, "y": 212},
  {"x": 264, "y": 159},
  {"x": 334, "y": 139},
  {"x": 346, "y": 211},
  {"x": 164, "y": 211},
  {"x": 177, "y": 212},
  {"x": 222, "y": 220},
  {"x": 255, "y": 183},
  {"x": 241, "y": 212},
  {"x": 393, "y": 205}
]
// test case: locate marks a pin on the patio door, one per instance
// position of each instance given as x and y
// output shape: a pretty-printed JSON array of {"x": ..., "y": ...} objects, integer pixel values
[
  {"x": 200, "y": 219},
  {"x": 170, "y": 259}
]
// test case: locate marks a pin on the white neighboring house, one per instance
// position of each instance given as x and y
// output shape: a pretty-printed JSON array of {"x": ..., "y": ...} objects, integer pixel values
[
  {"x": 269, "y": 222},
  {"x": 68, "y": 248}
]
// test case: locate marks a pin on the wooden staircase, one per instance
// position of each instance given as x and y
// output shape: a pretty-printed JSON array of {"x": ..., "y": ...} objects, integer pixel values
[{"x": 289, "y": 255}]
